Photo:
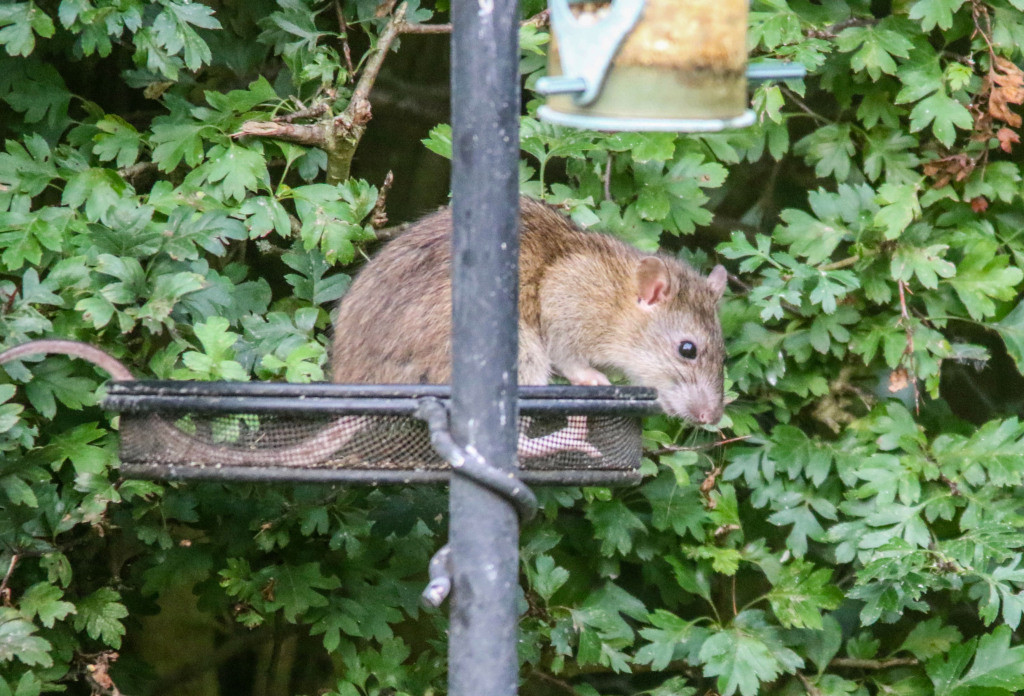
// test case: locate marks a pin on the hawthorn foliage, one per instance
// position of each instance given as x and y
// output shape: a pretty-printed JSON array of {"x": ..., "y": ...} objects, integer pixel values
[{"x": 859, "y": 532}]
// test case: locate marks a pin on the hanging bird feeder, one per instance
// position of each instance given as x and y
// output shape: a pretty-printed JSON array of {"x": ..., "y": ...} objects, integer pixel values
[{"x": 651, "y": 65}]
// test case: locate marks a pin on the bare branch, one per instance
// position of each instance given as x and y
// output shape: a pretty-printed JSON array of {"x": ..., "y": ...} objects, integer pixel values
[
  {"x": 312, "y": 134},
  {"x": 426, "y": 28},
  {"x": 373, "y": 65},
  {"x": 541, "y": 19},
  {"x": 855, "y": 663}
]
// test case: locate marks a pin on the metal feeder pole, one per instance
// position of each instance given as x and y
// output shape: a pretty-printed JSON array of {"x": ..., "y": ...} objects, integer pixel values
[{"x": 484, "y": 530}]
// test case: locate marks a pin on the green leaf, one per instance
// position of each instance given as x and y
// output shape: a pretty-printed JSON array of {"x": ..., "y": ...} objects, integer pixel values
[
  {"x": 1011, "y": 330},
  {"x": 615, "y": 525},
  {"x": 175, "y": 142},
  {"x": 116, "y": 140},
  {"x": 824, "y": 644},
  {"x": 875, "y": 46},
  {"x": 332, "y": 217},
  {"x": 945, "y": 115},
  {"x": 995, "y": 668},
  {"x": 935, "y": 13},
  {"x": 172, "y": 29},
  {"x": 439, "y": 140},
  {"x": 891, "y": 153},
  {"x": 100, "y": 616},
  {"x": 800, "y": 593},
  {"x": 928, "y": 264},
  {"x": 983, "y": 275},
  {"x": 237, "y": 169},
  {"x": 82, "y": 446},
  {"x": 601, "y": 615},
  {"x": 743, "y": 660},
  {"x": 809, "y": 237},
  {"x": 218, "y": 361},
  {"x": 548, "y": 577},
  {"x": 19, "y": 24},
  {"x": 44, "y": 600},
  {"x": 18, "y": 491},
  {"x": 17, "y": 641},
  {"x": 98, "y": 189},
  {"x": 669, "y": 636},
  {"x": 296, "y": 589},
  {"x": 930, "y": 639},
  {"x": 830, "y": 149},
  {"x": 41, "y": 94}
]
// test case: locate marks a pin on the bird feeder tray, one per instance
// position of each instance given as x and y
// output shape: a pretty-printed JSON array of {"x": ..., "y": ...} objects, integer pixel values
[{"x": 369, "y": 434}]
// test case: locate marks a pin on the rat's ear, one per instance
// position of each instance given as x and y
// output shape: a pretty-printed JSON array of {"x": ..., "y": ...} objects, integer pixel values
[
  {"x": 653, "y": 282},
  {"x": 716, "y": 280}
]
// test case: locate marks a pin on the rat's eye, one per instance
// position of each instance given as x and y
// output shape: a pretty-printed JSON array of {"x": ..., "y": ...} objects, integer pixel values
[{"x": 688, "y": 350}]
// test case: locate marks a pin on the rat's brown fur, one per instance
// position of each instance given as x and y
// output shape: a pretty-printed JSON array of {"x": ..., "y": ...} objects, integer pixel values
[{"x": 580, "y": 309}]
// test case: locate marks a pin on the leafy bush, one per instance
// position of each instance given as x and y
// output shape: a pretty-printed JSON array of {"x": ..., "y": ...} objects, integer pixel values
[{"x": 857, "y": 533}]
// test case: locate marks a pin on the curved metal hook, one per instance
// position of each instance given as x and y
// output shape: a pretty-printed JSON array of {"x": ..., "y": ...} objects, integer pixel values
[{"x": 586, "y": 52}]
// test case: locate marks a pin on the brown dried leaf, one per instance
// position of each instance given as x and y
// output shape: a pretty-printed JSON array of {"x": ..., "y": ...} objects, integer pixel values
[
  {"x": 946, "y": 169},
  {"x": 1007, "y": 83},
  {"x": 1007, "y": 139},
  {"x": 999, "y": 107},
  {"x": 98, "y": 675},
  {"x": 979, "y": 204},
  {"x": 898, "y": 379},
  {"x": 1007, "y": 74}
]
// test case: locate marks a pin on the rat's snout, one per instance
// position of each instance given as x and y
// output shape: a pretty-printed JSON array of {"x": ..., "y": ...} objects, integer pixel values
[{"x": 703, "y": 406}]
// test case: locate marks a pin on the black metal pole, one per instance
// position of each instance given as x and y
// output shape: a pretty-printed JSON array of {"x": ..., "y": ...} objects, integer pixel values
[{"x": 484, "y": 531}]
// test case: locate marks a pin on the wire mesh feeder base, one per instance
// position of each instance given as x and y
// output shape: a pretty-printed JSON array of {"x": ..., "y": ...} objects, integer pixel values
[{"x": 362, "y": 433}]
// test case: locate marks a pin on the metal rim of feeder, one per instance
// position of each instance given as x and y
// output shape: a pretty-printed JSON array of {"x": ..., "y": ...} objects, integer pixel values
[
  {"x": 629, "y": 69},
  {"x": 388, "y": 445}
]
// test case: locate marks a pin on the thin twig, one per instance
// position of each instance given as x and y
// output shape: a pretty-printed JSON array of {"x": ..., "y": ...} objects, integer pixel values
[
  {"x": 669, "y": 449},
  {"x": 313, "y": 111},
  {"x": 908, "y": 351},
  {"x": 735, "y": 611},
  {"x": 7, "y": 575},
  {"x": 856, "y": 663},
  {"x": 843, "y": 263},
  {"x": 795, "y": 98},
  {"x": 345, "y": 48},
  {"x": 832, "y": 31},
  {"x": 810, "y": 688},
  {"x": 608, "y": 178},
  {"x": 379, "y": 216},
  {"x": 553, "y": 680}
]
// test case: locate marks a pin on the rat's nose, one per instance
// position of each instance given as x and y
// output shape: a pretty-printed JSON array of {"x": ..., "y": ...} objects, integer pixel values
[{"x": 707, "y": 414}]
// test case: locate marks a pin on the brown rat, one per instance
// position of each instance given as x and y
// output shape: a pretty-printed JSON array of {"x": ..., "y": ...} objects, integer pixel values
[{"x": 588, "y": 302}]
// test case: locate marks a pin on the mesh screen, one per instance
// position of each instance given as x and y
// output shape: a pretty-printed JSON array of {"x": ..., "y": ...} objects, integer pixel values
[{"x": 549, "y": 442}]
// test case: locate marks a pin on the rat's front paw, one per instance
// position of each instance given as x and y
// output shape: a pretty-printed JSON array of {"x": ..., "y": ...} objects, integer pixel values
[{"x": 587, "y": 376}]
